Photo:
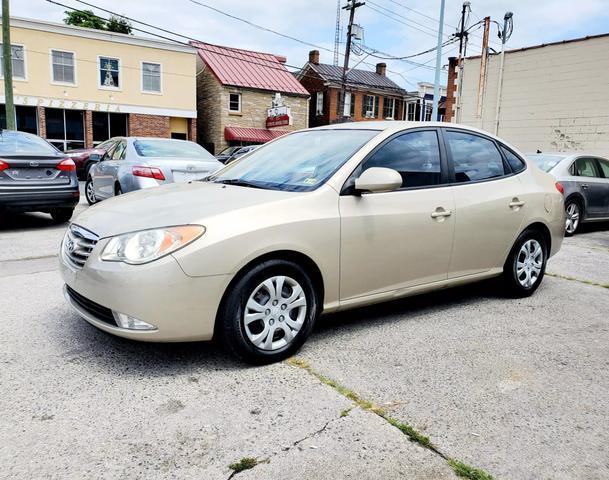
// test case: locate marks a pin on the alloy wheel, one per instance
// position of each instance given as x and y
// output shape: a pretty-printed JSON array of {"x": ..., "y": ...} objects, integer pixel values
[
  {"x": 529, "y": 263},
  {"x": 274, "y": 313},
  {"x": 90, "y": 192},
  {"x": 572, "y": 220}
]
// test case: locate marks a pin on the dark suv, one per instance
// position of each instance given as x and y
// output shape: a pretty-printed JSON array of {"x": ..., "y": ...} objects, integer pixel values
[{"x": 35, "y": 176}]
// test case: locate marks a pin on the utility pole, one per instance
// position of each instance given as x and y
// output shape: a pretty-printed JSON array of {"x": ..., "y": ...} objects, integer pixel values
[
  {"x": 8, "y": 67},
  {"x": 507, "y": 18},
  {"x": 351, "y": 6},
  {"x": 436, "y": 85},
  {"x": 483, "y": 62},
  {"x": 462, "y": 48}
]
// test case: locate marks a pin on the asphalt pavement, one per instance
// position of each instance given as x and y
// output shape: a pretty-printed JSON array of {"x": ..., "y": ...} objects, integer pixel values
[{"x": 517, "y": 388}]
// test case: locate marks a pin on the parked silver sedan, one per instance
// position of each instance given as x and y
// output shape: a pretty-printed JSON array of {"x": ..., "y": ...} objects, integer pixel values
[
  {"x": 585, "y": 179},
  {"x": 134, "y": 163}
]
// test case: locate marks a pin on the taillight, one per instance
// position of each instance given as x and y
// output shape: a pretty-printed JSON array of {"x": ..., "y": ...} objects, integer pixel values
[
  {"x": 148, "y": 172},
  {"x": 66, "y": 165},
  {"x": 560, "y": 188},
  {"x": 3, "y": 165}
]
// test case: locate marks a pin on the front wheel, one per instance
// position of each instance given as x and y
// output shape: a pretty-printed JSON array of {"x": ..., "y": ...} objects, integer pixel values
[
  {"x": 90, "y": 192},
  {"x": 526, "y": 264},
  {"x": 269, "y": 312}
]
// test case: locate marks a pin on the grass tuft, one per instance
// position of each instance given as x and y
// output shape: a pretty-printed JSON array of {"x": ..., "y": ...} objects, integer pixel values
[
  {"x": 580, "y": 280},
  {"x": 410, "y": 432},
  {"x": 244, "y": 464},
  {"x": 345, "y": 412},
  {"x": 465, "y": 471}
]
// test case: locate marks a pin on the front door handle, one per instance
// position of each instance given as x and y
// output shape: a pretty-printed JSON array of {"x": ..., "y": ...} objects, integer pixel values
[
  {"x": 585, "y": 186},
  {"x": 515, "y": 203},
  {"x": 440, "y": 212}
]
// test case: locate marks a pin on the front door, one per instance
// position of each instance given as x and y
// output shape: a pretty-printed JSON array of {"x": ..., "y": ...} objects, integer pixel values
[
  {"x": 107, "y": 169},
  {"x": 592, "y": 186},
  {"x": 403, "y": 238},
  {"x": 489, "y": 203}
]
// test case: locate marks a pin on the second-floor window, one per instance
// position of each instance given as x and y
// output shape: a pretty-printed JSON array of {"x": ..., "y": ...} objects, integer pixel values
[
  {"x": 63, "y": 67},
  {"x": 18, "y": 61},
  {"x": 151, "y": 77},
  {"x": 234, "y": 102},
  {"x": 370, "y": 106},
  {"x": 109, "y": 72},
  {"x": 389, "y": 108}
]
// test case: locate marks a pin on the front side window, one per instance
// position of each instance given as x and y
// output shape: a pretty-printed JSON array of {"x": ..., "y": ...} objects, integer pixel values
[
  {"x": 63, "y": 67},
  {"x": 319, "y": 105},
  {"x": 584, "y": 167},
  {"x": 516, "y": 163},
  {"x": 18, "y": 61},
  {"x": 474, "y": 158},
  {"x": 119, "y": 152},
  {"x": 415, "y": 156},
  {"x": 109, "y": 72},
  {"x": 301, "y": 161},
  {"x": 389, "y": 108},
  {"x": 151, "y": 77},
  {"x": 234, "y": 102}
]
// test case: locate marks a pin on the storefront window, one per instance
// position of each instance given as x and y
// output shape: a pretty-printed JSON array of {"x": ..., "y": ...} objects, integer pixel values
[
  {"x": 27, "y": 119},
  {"x": 109, "y": 72},
  {"x": 65, "y": 128},
  {"x": 107, "y": 125}
]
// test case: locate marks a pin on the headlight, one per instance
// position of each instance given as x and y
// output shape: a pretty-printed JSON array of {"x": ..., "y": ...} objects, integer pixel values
[{"x": 148, "y": 245}]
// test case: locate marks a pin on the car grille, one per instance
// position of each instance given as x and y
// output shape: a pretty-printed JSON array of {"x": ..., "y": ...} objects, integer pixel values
[
  {"x": 77, "y": 245},
  {"x": 96, "y": 310}
]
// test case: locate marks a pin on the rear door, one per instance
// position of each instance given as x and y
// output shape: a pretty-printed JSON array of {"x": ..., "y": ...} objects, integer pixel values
[
  {"x": 488, "y": 203},
  {"x": 604, "y": 169},
  {"x": 592, "y": 186}
]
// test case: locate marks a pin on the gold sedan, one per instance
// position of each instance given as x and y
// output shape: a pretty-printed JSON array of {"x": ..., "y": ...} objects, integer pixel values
[{"x": 316, "y": 221}]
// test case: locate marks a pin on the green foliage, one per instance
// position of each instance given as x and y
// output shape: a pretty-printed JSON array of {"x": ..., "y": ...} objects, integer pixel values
[
  {"x": 88, "y": 19},
  {"x": 244, "y": 464},
  {"x": 465, "y": 471}
]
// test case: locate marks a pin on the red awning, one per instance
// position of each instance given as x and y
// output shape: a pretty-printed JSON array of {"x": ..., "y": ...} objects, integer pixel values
[{"x": 257, "y": 135}]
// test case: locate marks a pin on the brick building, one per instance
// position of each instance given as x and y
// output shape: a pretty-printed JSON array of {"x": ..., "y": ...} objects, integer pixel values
[
  {"x": 77, "y": 87},
  {"x": 370, "y": 95},
  {"x": 554, "y": 96},
  {"x": 246, "y": 97}
]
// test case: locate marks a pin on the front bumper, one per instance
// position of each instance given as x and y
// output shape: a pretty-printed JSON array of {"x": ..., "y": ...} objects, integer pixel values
[{"x": 182, "y": 308}]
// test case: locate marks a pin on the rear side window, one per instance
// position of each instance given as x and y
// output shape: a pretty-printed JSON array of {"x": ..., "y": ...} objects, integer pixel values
[
  {"x": 516, "y": 163},
  {"x": 474, "y": 158},
  {"x": 604, "y": 164},
  {"x": 584, "y": 167},
  {"x": 415, "y": 156}
]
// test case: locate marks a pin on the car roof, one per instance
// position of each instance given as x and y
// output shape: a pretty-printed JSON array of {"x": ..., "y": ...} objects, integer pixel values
[
  {"x": 564, "y": 155},
  {"x": 397, "y": 125}
]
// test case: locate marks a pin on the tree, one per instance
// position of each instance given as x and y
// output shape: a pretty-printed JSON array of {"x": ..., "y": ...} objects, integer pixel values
[
  {"x": 118, "y": 25},
  {"x": 84, "y": 18},
  {"x": 88, "y": 19}
]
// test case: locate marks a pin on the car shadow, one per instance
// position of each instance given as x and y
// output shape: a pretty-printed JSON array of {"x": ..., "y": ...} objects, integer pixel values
[
  {"x": 590, "y": 227},
  {"x": 13, "y": 222}
]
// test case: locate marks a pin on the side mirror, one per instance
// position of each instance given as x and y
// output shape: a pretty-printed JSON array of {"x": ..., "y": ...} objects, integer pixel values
[
  {"x": 378, "y": 179},
  {"x": 95, "y": 157}
]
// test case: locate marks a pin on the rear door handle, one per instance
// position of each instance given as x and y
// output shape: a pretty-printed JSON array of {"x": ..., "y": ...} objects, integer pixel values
[{"x": 440, "y": 212}]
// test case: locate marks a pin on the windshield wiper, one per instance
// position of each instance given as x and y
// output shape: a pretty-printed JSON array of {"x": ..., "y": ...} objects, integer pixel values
[{"x": 238, "y": 182}]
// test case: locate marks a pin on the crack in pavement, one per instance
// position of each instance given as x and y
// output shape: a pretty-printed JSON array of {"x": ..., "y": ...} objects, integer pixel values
[{"x": 580, "y": 280}]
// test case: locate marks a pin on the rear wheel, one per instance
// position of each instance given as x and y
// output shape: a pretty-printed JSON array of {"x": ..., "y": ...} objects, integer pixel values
[
  {"x": 269, "y": 312},
  {"x": 526, "y": 264},
  {"x": 62, "y": 215},
  {"x": 573, "y": 212},
  {"x": 117, "y": 190},
  {"x": 90, "y": 192}
]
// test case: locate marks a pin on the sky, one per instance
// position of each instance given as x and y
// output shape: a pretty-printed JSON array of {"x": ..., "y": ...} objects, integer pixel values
[{"x": 396, "y": 27}]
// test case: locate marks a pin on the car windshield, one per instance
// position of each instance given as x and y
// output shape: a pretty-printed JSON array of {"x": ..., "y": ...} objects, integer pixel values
[
  {"x": 299, "y": 162},
  {"x": 545, "y": 162},
  {"x": 17, "y": 143},
  {"x": 171, "y": 148}
]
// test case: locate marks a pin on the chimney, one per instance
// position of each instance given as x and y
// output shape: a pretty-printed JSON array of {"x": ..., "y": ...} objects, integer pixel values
[
  {"x": 381, "y": 68},
  {"x": 314, "y": 57}
]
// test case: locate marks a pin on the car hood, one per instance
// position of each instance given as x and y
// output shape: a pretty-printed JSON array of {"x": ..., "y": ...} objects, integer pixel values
[{"x": 173, "y": 204}]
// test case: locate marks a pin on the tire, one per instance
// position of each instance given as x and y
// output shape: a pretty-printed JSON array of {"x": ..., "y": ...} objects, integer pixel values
[
  {"x": 117, "y": 190},
  {"x": 89, "y": 193},
  {"x": 574, "y": 213},
  {"x": 525, "y": 267},
  {"x": 62, "y": 215},
  {"x": 264, "y": 339}
]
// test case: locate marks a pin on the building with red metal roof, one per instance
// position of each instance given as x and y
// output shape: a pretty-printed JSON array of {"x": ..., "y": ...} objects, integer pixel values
[{"x": 246, "y": 97}]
